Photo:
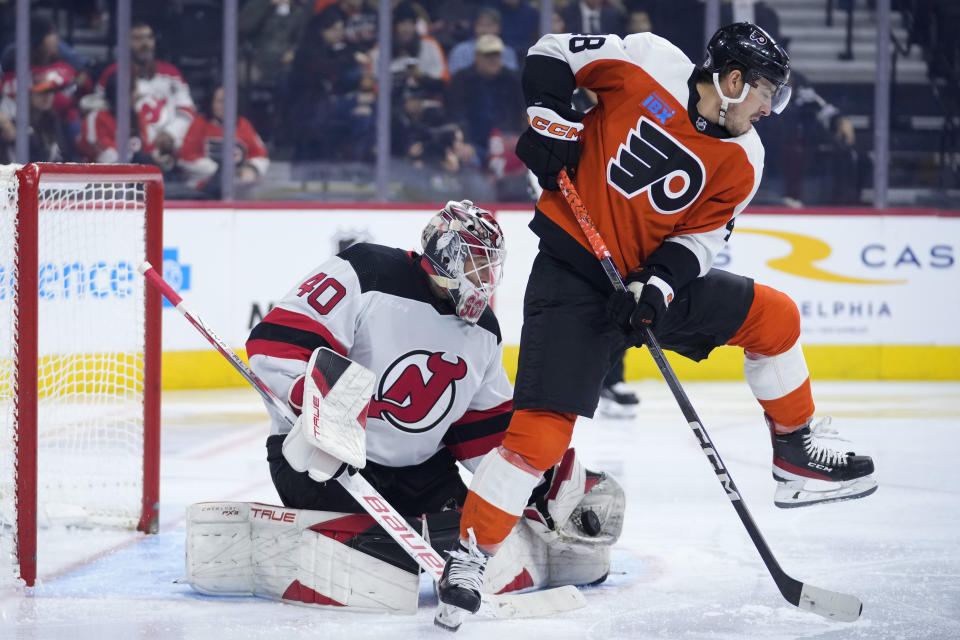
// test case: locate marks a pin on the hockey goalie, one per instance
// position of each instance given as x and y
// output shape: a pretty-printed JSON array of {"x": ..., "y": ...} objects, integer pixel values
[{"x": 393, "y": 362}]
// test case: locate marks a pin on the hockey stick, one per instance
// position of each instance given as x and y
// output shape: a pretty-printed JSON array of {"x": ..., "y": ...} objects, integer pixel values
[
  {"x": 829, "y": 604},
  {"x": 519, "y": 605}
]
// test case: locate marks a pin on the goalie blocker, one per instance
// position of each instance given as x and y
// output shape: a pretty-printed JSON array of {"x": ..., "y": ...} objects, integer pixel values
[{"x": 331, "y": 559}]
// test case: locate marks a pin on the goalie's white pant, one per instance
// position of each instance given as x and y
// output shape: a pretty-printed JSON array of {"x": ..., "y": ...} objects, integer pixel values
[{"x": 293, "y": 555}]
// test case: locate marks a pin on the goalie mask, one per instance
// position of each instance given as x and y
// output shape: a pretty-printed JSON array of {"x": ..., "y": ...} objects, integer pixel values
[{"x": 463, "y": 254}]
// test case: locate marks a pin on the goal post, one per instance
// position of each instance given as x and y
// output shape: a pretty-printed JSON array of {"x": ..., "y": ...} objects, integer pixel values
[{"x": 79, "y": 352}]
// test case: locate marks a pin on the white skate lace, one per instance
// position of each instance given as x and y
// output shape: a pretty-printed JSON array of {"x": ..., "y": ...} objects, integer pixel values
[
  {"x": 821, "y": 428},
  {"x": 466, "y": 570}
]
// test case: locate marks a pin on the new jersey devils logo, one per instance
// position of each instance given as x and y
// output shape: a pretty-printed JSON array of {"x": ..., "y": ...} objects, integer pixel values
[
  {"x": 417, "y": 391},
  {"x": 652, "y": 160}
]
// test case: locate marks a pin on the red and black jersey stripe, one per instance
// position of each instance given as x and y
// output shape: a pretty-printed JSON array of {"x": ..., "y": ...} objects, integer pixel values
[
  {"x": 291, "y": 335},
  {"x": 478, "y": 432}
]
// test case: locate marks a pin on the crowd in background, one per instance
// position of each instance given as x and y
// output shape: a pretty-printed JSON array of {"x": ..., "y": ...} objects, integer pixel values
[{"x": 308, "y": 91}]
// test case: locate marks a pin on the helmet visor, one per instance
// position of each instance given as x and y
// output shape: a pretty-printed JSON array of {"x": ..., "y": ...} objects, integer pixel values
[
  {"x": 781, "y": 98},
  {"x": 777, "y": 95}
]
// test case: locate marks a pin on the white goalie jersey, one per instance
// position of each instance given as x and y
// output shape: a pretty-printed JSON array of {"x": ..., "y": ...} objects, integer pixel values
[{"x": 440, "y": 381}]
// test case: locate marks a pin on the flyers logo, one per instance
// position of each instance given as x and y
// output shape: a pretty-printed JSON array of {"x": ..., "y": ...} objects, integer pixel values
[
  {"x": 653, "y": 161},
  {"x": 417, "y": 391}
]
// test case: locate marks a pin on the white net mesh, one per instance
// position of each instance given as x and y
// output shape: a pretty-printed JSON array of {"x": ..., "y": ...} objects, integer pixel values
[
  {"x": 8, "y": 329},
  {"x": 90, "y": 349}
]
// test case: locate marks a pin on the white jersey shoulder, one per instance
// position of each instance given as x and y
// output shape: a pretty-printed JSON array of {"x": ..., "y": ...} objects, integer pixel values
[{"x": 666, "y": 63}]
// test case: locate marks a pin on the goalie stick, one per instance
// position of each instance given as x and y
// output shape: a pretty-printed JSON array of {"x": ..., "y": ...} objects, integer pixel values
[
  {"x": 519, "y": 605},
  {"x": 829, "y": 604}
]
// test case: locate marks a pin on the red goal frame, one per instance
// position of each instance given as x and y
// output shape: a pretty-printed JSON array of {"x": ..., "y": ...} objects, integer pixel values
[{"x": 30, "y": 177}]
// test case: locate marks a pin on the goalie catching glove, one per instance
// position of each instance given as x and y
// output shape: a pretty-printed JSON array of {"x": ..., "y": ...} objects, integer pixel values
[
  {"x": 551, "y": 142},
  {"x": 576, "y": 506},
  {"x": 329, "y": 436}
]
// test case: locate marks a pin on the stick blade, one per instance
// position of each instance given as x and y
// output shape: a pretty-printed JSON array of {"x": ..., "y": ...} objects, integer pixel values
[
  {"x": 833, "y": 605},
  {"x": 535, "y": 603}
]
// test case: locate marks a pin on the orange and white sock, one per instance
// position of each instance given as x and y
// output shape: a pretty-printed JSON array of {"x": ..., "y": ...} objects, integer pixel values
[
  {"x": 774, "y": 365},
  {"x": 500, "y": 489}
]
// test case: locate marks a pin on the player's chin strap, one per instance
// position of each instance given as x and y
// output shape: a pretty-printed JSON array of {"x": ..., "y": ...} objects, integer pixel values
[{"x": 725, "y": 101}]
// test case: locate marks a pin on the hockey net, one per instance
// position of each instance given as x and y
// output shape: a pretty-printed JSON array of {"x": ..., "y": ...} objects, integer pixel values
[{"x": 79, "y": 353}]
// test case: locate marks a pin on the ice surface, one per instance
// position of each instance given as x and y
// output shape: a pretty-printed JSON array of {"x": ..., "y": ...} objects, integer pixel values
[{"x": 684, "y": 568}]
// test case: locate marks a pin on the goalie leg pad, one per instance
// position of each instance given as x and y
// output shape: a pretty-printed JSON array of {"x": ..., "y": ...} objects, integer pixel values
[
  {"x": 521, "y": 563},
  {"x": 526, "y": 561},
  {"x": 305, "y": 557}
]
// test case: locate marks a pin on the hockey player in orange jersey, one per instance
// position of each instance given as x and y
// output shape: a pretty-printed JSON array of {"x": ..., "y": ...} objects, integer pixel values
[{"x": 664, "y": 164}]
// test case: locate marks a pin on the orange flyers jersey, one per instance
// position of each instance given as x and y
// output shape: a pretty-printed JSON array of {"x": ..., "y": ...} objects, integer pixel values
[{"x": 646, "y": 173}]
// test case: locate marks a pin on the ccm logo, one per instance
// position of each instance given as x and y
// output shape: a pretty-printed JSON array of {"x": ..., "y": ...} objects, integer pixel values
[
  {"x": 549, "y": 124},
  {"x": 554, "y": 129}
]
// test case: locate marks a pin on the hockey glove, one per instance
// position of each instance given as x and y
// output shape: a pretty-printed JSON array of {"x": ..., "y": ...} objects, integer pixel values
[
  {"x": 642, "y": 305},
  {"x": 551, "y": 142}
]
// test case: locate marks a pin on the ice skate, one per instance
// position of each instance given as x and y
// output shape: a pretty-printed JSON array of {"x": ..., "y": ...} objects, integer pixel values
[
  {"x": 807, "y": 472},
  {"x": 459, "y": 586},
  {"x": 618, "y": 401}
]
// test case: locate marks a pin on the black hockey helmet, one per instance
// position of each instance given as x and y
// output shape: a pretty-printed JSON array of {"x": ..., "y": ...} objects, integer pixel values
[{"x": 751, "y": 47}]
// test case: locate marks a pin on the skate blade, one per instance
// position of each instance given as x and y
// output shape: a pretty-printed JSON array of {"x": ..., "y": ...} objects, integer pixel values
[
  {"x": 449, "y": 617},
  {"x": 615, "y": 411},
  {"x": 795, "y": 493}
]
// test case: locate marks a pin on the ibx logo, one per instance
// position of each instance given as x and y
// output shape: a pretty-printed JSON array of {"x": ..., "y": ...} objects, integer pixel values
[
  {"x": 175, "y": 273},
  {"x": 659, "y": 108},
  {"x": 417, "y": 390}
]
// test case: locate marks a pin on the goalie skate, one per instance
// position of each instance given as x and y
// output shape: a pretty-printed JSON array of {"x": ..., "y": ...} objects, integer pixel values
[{"x": 807, "y": 472}]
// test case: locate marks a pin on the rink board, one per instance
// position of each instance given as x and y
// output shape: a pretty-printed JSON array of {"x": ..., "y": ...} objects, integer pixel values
[{"x": 877, "y": 293}]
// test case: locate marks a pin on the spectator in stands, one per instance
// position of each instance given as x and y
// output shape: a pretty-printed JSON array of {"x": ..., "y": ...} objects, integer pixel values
[
  {"x": 416, "y": 61},
  {"x": 49, "y": 141},
  {"x": 202, "y": 152},
  {"x": 812, "y": 151},
  {"x": 450, "y": 163},
  {"x": 594, "y": 16},
  {"x": 679, "y": 21},
  {"x": 98, "y": 134},
  {"x": 638, "y": 21},
  {"x": 451, "y": 21},
  {"x": 46, "y": 61},
  {"x": 359, "y": 22},
  {"x": 161, "y": 98},
  {"x": 330, "y": 95},
  {"x": 270, "y": 30},
  {"x": 416, "y": 119},
  {"x": 486, "y": 22},
  {"x": 486, "y": 96},
  {"x": 520, "y": 24},
  {"x": 8, "y": 139}
]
